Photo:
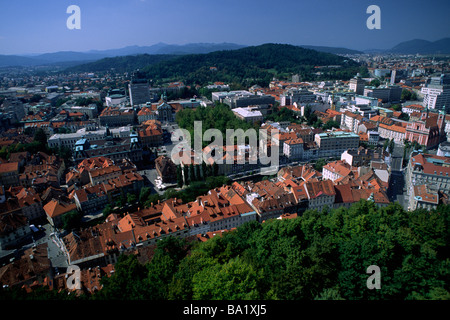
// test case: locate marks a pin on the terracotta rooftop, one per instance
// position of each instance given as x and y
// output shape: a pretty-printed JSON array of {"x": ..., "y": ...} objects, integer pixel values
[
  {"x": 9, "y": 167},
  {"x": 316, "y": 189},
  {"x": 340, "y": 167},
  {"x": 425, "y": 194},
  {"x": 56, "y": 208}
]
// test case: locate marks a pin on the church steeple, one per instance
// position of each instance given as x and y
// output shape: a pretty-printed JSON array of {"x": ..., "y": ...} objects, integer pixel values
[
  {"x": 108, "y": 135},
  {"x": 164, "y": 97}
]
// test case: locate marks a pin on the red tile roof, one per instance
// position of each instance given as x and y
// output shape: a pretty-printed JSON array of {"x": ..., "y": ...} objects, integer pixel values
[
  {"x": 316, "y": 189},
  {"x": 9, "y": 167},
  {"x": 55, "y": 208}
]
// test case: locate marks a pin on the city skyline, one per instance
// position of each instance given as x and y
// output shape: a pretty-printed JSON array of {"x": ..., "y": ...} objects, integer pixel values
[{"x": 28, "y": 27}]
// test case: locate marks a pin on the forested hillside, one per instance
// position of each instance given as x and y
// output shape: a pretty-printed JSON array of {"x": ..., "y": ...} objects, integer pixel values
[
  {"x": 246, "y": 66},
  {"x": 122, "y": 63},
  {"x": 252, "y": 64}
]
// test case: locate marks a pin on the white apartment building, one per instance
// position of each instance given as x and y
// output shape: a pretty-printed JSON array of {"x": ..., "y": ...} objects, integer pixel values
[
  {"x": 336, "y": 170},
  {"x": 221, "y": 95},
  {"x": 436, "y": 96},
  {"x": 395, "y": 132},
  {"x": 351, "y": 121}
]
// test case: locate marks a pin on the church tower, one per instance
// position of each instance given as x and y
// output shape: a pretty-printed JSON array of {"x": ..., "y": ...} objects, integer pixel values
[{"x": 333, "y": 106}]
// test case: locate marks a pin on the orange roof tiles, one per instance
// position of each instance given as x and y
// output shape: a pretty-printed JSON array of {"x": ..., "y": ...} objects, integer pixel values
[
  {"x": 426, "y": 194},
  {"x": 294, "y": 141},
  {"x": 55, "y": 208},
  {"x": 393, "y": 128},
  {"x": 9, "y": 167},
  {"x": 340, "y": 167},
  {"x": 316, "y": 189}
]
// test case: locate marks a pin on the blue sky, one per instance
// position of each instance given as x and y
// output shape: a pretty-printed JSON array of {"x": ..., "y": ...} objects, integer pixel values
[{"x": 38, "y": 26}]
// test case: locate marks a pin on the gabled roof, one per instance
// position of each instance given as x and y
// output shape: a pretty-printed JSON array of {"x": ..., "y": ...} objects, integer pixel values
[
  {"x": 56, "y": 208},
  {"x": 339, "y": 167},
  {"x": 316, "y": 189},
  {"x": 9, "y": 167}
]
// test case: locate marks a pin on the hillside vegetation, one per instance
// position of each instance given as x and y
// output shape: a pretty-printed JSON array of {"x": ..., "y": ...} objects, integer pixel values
[
  {"x": 122, "y": 63},
  {"x": 252, "y": 65},
  {"x": 246, "y": 66}
]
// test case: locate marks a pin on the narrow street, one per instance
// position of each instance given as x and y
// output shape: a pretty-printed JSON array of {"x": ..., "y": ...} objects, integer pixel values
[
  {"x": 55, "y": 252},
  {"x": 397, "y": 187}
]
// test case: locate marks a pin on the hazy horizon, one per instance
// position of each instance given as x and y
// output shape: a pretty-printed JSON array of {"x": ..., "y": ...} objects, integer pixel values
[
  {"x": 37, "y": 27},
  {"x": 31, "y": 54}
]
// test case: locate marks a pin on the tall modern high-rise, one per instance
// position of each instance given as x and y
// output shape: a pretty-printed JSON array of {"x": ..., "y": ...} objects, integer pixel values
[
  {"x": 436, "y": 94},
  {"x": 393, "y": 76},
  {"x": 139, "y": 89},
  {"x": 357, "y": 85}
]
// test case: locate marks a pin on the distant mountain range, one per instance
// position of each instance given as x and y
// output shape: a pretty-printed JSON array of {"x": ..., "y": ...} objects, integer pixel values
[
  {"x": 74, "y": 58},
  {"x": 70, "y": 58},
  {"x": 93, "y": 55},
  {"x": 423, "y": 47},
  {"x": 334, "y": 50}
]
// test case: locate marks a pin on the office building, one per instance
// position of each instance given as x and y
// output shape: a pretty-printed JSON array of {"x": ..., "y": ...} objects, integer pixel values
[
  {"x": 222, "y": 95},
  {"x": 390, "y": 93},
  {"x": 333, "y": 144},
  {"x": 299, "y": 96},
  {"x": 139, "y": 90},
  {"x": 242, "y": 101},
  {"x": 436, "y": 94},
  {"x": 357, "y": 85}
]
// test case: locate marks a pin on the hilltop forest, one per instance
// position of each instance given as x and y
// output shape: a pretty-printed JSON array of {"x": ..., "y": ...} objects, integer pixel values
[{"x": 246, "y": 66}]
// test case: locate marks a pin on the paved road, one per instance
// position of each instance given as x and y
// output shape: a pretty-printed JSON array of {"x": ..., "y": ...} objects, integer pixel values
[
  {"x": 397, "y": 158},
  {"x": 55, "y": 253},
  {"x": 397, "y": 186}
]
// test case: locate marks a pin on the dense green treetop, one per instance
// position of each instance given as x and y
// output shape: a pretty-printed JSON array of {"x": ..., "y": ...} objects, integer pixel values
[{"x": 246, "y": 66}]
